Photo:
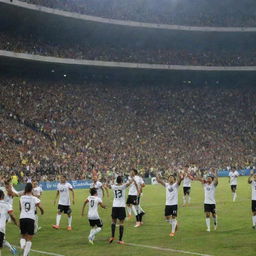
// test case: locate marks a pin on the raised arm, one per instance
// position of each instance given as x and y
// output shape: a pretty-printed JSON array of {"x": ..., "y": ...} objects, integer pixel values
[
  {"x": 216, "y": 180},
  {"x": 103, "y": 192},
  {"x": 160, "y": 181},
  {"x": 180, "y": 179},
  {"x": 106, "y": 189}
]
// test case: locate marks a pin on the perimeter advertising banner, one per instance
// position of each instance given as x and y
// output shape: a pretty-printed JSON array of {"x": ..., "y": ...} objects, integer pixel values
[{"x": 77, "y": 184}]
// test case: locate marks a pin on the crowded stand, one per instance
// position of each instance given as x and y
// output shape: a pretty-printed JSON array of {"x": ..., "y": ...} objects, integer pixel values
[
  {"x": 52, "y": 128},
  {"x": 178, "y": 12},
  {"x": 157, "y": 55}
]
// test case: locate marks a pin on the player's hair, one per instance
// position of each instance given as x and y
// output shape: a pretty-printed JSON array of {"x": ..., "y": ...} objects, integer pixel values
[
  {"x": 64, "y": 176},
  {"x": 135, "y": 171},
  {"x": 6, "y": 183},
  {"x": 1, "y": 194},
  {"x": 172, "y": 175},
  {"x": 186, "y": 166},
  {"x": 119, "y": 179},
  {"x": 28, "y": 188},
  {"x": 93, "y": 191},
  {"x": 210, "y": 176}
]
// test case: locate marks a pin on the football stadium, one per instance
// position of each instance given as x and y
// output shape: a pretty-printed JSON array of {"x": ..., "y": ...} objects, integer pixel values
[{"x": 128, "y": 127}]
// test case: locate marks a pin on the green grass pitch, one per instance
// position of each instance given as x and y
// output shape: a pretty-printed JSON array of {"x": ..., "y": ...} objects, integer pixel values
[{"x": 234, "y": 236}]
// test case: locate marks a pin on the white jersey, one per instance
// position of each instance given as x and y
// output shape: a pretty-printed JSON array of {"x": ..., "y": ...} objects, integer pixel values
[
  {"x": 171, "y": 193},
  {"x": 63, "y": 189},
  {"x": 119, "y": 195},
  {"x": 133, "y": 190},
  {"x": 233, "y": 177},
  {"x": 28, "y": 205},
  {"x": 5, "y": 209},
  {"x": 93, "y": 207},
  {"x": 187, "y": 182},
  {"x": 209, "y": 193},
  {"x": 98, "y": 187},
  {"x": 253, "y": 190},
  {"x": 37, "y": 191}
]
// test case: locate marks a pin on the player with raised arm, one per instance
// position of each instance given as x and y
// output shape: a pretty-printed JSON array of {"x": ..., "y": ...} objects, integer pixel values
[
  {"x": 233, "y": 175},
  {"x": 28, "y": 206},
  {"x": 5, "y": 211},
  {"x": 133, "y": 197},
  {"x": 63, "y": 189},
  {"x": 210, "y": 184},
  {"x": 93, "y": 216},
  {"x": 188, "y": 178},
  {"x": 118, "y": 209},
  {"x": 37, "y": 192},
  {"x": 252, "y": 181},
  {"x": 171, "y": 204},
  {"x": 98, "y": 186}
]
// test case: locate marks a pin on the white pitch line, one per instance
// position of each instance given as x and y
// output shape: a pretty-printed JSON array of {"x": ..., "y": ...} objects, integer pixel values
[
  {"x": 167, "y": 249},
  {"x": 46, "y": 253}
]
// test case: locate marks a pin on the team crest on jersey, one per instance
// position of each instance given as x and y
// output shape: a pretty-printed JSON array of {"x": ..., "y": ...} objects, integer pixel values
[{"x": 170, "y": 189}]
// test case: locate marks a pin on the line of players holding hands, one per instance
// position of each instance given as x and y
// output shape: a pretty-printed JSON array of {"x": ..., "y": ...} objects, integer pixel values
[{"x": 30, "y": 201}]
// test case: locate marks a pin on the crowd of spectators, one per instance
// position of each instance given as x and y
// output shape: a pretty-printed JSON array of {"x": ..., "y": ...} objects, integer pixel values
[
  {"x": 52, "y": 128},
  {"x": 227, "y": 13},
  {"x": 104, "y": 52}
]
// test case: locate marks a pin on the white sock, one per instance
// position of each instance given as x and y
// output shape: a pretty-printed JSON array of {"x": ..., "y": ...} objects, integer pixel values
[
  {"x": 189, "y": 199},
  {"x": 140, "y": 209},
  {"x": 69, "y": 221},
  {"x": 22, "y": 243},
  {"x": 129, "y": 210},
  {"x": 58, "y": 217},
  {"x": 174, "y": 223},
  {"x": 7, "y": 244},
  {"x": 134, "y": 210},
  {"x": 91, "y": 232},
  {"x": 27, "y": 248},
  {"x": 184, "y": 199},
  {"x": 137, "y": 207},
  {"x": 169, "y": 221},
  {"x": 95, "y": 231},
  {"x": 36, "y": 224},
  {"x": 254, "y": 220},
  {"x": 235, "y": 196},
  {"x": 208, "y": 223}
]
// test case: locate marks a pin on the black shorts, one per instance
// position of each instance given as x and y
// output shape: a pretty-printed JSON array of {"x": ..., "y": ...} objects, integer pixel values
[
  {"x": 186, "y": 190},
  {"x": 97, "y": 223},
  {"x": 1, "y": 239},
  {"x": 132, "y": 200},
  {"x": 171, "y": 210},
  {"x": 210, "y": 208},
  {"x": 118, "y": 213},
  {"x": 233, "y": 187},
  {"x": 64, "y": 208},
  {"x": 27, "y": 227},
  {"x": 253, "y": 205}
]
